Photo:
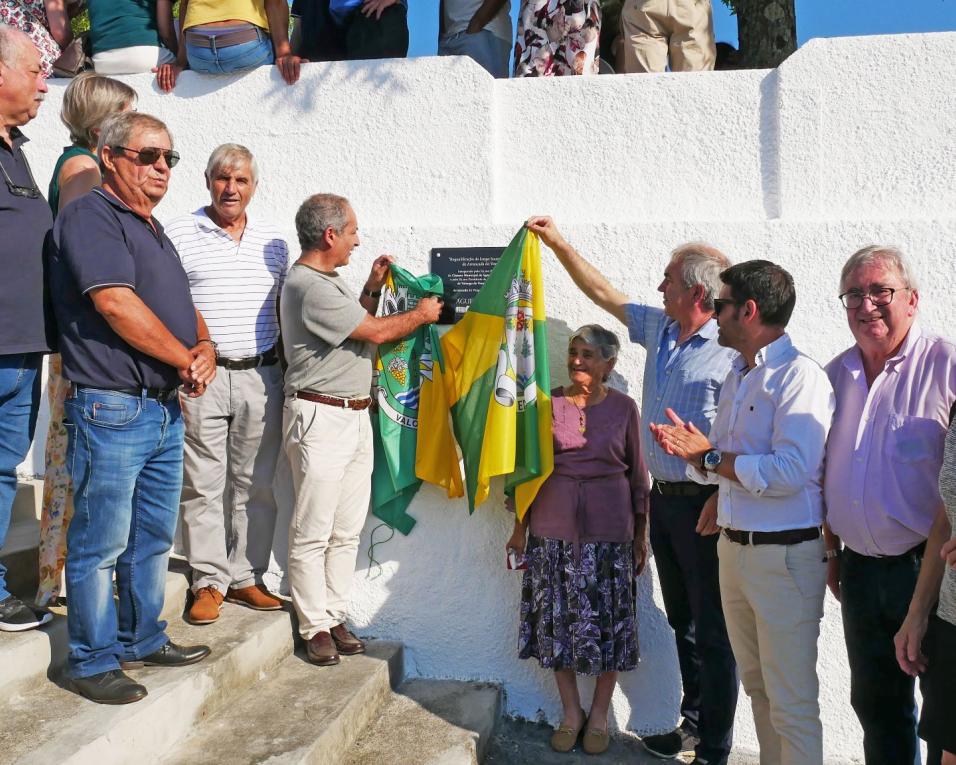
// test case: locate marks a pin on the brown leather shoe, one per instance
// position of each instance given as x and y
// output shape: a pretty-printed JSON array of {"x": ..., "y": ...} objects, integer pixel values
[
  {"x": 321, "y": 649},
  {"x": 207, "y": 602},
  {"x": 346, "y": 642},
  {"x": 254, "y": 596}
]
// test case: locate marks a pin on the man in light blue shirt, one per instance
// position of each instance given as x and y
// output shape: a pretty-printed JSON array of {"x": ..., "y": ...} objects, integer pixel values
[
  {"x": 765, "y": 451},
  {"x": 684, "y": 370}
]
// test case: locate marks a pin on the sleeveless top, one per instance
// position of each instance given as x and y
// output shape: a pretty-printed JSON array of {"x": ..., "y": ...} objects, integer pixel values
[
  {"x": 200, "y": 12},
  {"x": 54, "y": 193}
]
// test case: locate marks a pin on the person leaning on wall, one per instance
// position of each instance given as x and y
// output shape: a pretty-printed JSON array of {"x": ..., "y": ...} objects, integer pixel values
[
  {"x": 88, "y": 101},
  {"x": 662, "y": 33},
  {"x": 130, "y": 36},
  {"x": 590, "y": 517},
  {"x": 351, "y": 30}
]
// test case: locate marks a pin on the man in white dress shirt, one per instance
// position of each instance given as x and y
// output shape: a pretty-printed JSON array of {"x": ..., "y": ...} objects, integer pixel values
[
  {"x": 236, "y": 265},
  {"x": 765, "y": 452}
]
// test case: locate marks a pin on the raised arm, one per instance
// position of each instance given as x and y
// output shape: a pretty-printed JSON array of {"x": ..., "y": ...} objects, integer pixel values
[
  {"x": 587, "y": 278},
  {"x": 385, "y": 329}
]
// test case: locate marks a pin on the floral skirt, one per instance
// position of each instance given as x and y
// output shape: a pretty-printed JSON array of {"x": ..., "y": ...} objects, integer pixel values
[{"x": 580, "y": 614}]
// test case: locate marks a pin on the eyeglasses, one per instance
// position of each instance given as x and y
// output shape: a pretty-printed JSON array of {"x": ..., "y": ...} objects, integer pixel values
[
  {"x": 150, "y": 155},
  {"x": 719, "y": 304},
  {"x": 879, "y": 296},
  {"x": 28, "y": 192}
]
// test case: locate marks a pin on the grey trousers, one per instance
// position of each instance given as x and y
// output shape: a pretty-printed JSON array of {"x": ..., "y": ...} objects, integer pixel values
[{"x": 233, "y": 438}]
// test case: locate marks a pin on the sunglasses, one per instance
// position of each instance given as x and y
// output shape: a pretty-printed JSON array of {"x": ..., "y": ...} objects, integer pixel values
[
  {"x": 719, "y": 304},
  {"x": 150, "y": 155},
  {"x": 28, "y": 192}
]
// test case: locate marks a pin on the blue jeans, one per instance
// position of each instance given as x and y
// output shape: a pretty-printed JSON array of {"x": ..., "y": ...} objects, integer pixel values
[
  {"x": 19, "y": 403},
  {"x": 232, "y": 58},
  {"x": 125, "y": 456},
  {"x": 490, "y": 52}
]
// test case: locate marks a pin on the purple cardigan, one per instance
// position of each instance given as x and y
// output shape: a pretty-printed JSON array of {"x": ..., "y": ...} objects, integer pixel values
[{"x": 599, "y": 481}]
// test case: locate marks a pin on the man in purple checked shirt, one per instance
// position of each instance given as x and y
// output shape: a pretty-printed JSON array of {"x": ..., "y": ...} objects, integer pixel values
[{"x": 894, "y": 389}]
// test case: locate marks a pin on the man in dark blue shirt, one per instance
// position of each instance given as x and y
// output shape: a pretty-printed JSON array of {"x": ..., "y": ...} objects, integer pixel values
[
  {"x": 25, "y": 220},
  {"x": 129, "y": 336}
]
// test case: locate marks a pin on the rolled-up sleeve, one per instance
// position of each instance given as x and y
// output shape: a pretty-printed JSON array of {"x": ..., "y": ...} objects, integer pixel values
[{"x": 801, "y": 421}]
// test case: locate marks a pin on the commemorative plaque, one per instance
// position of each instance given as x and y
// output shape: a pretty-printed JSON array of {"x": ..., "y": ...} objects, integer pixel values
[{"x": 464, "y": 271}]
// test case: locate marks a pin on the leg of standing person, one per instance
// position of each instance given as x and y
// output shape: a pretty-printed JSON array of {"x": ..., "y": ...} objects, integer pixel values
[
  {"x": 645, "y": 35},
  {"x": 742, "y": 631},
  {"x": 875, "y": 595},
  {"x": 141, "y": 568},
  {"x": 205, "y": 464},
  {"x": 57, "y": 508},
  {"x": 19, "y": 403},
  {"x": 485, "y": 48},
  {"x": 692, "y": 46},
  {"x": 255, "y": 437}
]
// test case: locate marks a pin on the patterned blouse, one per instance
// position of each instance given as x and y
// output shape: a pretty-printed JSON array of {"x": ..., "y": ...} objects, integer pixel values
[
  {"x": 947, "y": 489},
  {"x": 29, "y": 16}
]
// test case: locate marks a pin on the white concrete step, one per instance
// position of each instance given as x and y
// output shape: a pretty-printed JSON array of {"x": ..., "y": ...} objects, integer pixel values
[
  {"x": 299, "y": 713},
  {"x": 431, "y": 722},
  {"x": 28, "y": 658},
  {"x": 28, "y": 500}
]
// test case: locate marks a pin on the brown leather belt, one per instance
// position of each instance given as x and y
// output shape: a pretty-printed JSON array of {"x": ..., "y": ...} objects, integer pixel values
[
  {"x": 223, "y": 41},
  {"x": 789, "y": 537},
  {"x": 358, "y": 404}
]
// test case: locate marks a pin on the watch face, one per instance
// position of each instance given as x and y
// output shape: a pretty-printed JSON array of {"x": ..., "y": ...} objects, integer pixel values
[{"x": 711, "y": 460}]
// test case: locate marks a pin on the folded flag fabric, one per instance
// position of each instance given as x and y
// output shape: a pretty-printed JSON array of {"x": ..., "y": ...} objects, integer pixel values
[
  {"x": 494, "y": 380},
  {"x": 400, "y": 368}
]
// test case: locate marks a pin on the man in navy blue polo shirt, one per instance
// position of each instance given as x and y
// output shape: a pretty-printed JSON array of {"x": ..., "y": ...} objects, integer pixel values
[
  {"x": 129, "y": 337},
  {"x": 25, "y": 220}
]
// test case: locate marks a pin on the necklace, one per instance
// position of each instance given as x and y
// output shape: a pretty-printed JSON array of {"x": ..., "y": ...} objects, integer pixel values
[{"x": 582, "y": 422}]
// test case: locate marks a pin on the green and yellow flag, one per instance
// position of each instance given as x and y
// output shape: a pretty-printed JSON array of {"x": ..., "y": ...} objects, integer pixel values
[
  {"x": 400, "y": 368},
  {"x": 493, "y": 378}
]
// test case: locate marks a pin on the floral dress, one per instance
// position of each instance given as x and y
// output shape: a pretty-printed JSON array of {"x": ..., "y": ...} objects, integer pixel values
[
  {"x": 557, "y": 38},
  {"x": 29, "y": 16}
]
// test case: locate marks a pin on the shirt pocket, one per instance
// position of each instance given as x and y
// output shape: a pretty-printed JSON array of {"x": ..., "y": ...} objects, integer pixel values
[{"x": 915, "y": 439}]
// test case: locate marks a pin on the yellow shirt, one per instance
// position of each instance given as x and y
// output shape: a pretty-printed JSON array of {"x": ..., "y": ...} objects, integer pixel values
[{"x": 200, "y": 12}]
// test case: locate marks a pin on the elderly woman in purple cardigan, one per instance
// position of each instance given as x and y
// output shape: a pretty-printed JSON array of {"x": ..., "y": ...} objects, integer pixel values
[{"x": 587, "y": 541}]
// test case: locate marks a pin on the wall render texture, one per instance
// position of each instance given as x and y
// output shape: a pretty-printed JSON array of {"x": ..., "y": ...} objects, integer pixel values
[{"x": 850, "y": 142}]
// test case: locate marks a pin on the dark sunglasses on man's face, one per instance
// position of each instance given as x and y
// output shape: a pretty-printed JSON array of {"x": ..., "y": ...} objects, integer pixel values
[
  {"x": 719, "y": 304},
  {"x": 150, "y": 155}
]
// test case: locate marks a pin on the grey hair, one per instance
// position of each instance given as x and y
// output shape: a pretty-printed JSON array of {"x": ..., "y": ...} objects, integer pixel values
[
  {"x": 12, "y": 43},
  {"x": 701, "y": 263},
  {"x": 602, "y": 339},
  {"x": 118, "y": 129},
  {"x": 318, "y": 213},
  {"x": 879, "y": 253},
  {"x": 230, "y": 156},
  {"x": 89, "y": 100}
]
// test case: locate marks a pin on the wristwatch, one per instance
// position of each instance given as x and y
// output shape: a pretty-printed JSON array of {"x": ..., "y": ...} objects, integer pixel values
[{"x": 711, "y": 460}]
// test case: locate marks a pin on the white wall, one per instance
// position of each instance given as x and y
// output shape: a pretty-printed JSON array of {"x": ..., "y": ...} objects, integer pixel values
[{"x": 849, "y": 142}]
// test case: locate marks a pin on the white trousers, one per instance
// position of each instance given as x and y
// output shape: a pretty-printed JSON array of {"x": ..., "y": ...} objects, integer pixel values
[
  {"x": 772, "y": 597},
  {"x": 132, "y": 60},
  {"x": 330, "y": 454}
]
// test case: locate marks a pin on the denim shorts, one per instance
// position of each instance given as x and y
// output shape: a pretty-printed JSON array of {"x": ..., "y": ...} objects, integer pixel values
[{"x": 231, "y": 58}]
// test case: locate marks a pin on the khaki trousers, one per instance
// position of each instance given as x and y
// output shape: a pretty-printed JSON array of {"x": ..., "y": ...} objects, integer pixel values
[
  {"x": 656, "y": 29},
  {"x": 330, "y": 454},
  {"x": 231, "y": 445},
  {"x": 773, "y": 602}
]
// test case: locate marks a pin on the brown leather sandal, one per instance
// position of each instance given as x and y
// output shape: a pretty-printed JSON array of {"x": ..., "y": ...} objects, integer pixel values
[{"x": 595, "y": 741}]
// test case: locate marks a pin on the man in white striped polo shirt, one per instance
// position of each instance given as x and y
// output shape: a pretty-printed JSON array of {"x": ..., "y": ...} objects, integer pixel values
[{"x": 236, "y": 265}]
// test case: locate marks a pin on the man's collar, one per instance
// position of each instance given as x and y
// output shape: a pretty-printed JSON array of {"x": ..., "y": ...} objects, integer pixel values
[
  {"x": 208, "y": 224},
  {"x": 707, "y": 330},
  {"x": 766, "y": 355},
  {"x": 121, "y": 205},
  {"x": 17, "y": 138}
]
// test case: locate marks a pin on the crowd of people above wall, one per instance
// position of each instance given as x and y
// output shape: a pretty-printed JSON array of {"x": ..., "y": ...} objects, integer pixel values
[
  {"x": 567, "y": 37},
  {"x": 758, "y": 478}
]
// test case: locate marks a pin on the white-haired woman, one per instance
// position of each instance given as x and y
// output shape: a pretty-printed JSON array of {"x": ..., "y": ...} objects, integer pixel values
[
  {"x": 89, "y": 99},
  {"x": 587, "y": 541}
]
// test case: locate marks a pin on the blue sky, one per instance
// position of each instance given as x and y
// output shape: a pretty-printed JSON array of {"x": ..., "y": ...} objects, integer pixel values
[{"x": 815, "y": 18}]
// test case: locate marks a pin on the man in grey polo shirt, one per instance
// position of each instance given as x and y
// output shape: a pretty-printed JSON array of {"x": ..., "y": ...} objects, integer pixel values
[
  {"x": 236, "y": 264},
  {"x": 328, "y": 338},
  {"x": 684, "y": 369}
]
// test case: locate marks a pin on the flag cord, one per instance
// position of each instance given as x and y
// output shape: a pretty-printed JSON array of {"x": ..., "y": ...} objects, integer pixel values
[{"x": 371, "y": 551}]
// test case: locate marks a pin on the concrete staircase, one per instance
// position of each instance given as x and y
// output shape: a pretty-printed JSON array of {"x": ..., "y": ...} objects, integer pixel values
[{"x": 255, "y": 699}]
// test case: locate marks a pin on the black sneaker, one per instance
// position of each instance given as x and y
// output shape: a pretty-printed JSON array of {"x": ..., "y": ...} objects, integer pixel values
[
  {"x": 678, "y": 742},
  {"x": 15, "y": 616}
]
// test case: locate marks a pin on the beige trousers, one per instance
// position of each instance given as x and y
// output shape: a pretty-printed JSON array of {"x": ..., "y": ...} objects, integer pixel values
[
  {"x": 330, "y": 454},
  {"x": 656, "y": 29},
  {"x": 772, "y": 597}
]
